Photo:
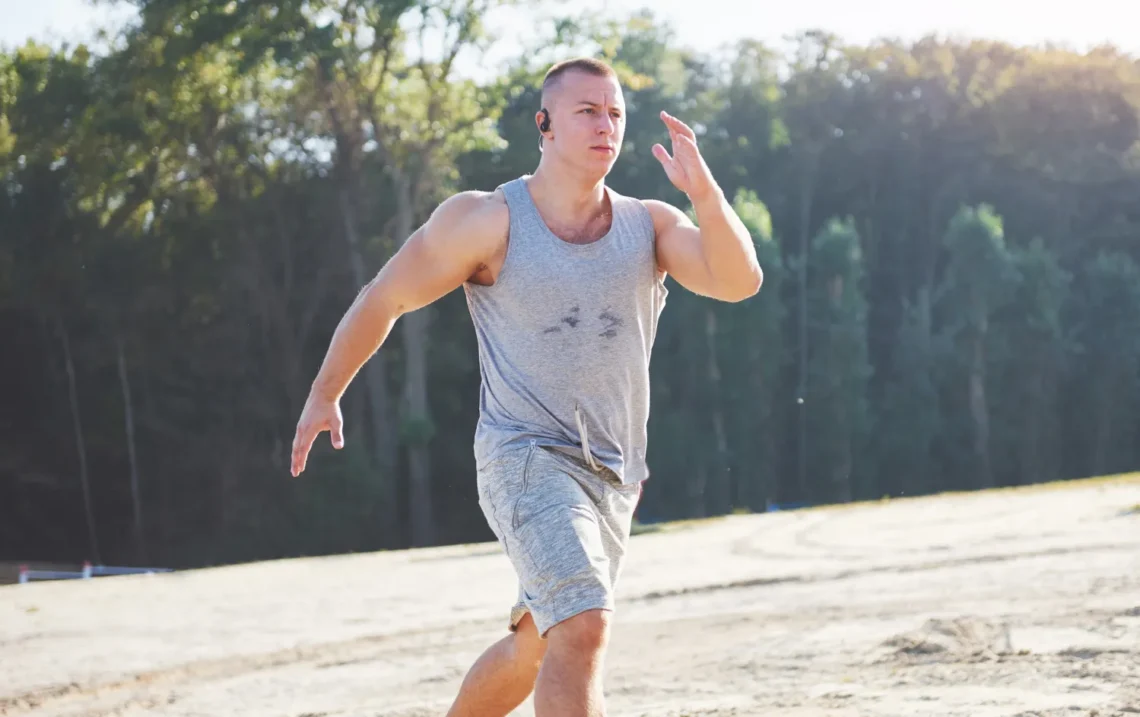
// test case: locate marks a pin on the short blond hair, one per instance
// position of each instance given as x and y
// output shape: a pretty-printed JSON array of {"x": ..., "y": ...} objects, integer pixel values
[{"x": 589, "y": 65}]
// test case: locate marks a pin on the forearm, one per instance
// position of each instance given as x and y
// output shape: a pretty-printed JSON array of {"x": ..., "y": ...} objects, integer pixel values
[
  {"x": 727, "y": 247},
  {"x": 362, "y": 330}
]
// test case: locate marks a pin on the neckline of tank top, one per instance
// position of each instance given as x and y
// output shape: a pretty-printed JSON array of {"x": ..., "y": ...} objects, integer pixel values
[{"x": 568, "y": 247}]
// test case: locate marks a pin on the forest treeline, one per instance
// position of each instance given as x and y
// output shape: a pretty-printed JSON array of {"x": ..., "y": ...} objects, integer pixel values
[{"x": 949, "y": 229}]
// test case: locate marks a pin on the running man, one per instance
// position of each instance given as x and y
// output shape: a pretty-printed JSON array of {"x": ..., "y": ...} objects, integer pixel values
[{"x": 564, "y": 279}]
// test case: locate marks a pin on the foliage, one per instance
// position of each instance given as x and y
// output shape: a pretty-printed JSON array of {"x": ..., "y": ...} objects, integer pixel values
[{"x": 948, "y": 231}]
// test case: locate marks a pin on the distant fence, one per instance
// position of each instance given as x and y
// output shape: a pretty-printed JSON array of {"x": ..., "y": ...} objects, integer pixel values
[{"x": 88, "y": 571}]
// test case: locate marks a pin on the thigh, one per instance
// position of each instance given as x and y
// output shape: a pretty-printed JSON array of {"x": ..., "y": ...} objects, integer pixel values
[
  {"x": 548, "y": 523},
  {"x": 540, "y": 511},
  {"x": 615, "y": 508}
]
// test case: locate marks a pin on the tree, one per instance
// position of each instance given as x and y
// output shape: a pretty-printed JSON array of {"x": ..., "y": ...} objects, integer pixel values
[
  {"x": 836, "y": 400},
  {"x": 1105, "y": 319},
  {"x": 909, "y": 414},
  {"x": 1029, "y": 369},
  {"x": 978, "y": 280}
]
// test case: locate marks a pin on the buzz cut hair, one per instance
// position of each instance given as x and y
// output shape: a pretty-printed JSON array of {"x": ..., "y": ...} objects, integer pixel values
[{"x": 589, "y": 65}]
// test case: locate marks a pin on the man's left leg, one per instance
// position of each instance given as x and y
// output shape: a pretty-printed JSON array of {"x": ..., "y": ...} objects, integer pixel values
[
  {"x": 570, "y": 681},
  {"x": 503, "y": 676}
]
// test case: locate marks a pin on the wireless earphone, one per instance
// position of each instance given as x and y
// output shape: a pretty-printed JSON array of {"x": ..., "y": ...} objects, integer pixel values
[{"x": 544, "y": 126}]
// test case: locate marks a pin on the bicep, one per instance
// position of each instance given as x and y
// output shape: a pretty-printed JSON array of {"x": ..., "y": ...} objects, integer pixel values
[
  {"x": 679, "y": 251},
  {"x": 436, "y": 259}
]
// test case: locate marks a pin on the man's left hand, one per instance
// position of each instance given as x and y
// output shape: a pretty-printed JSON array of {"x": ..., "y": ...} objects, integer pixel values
[{"x": 686, "y": 169}]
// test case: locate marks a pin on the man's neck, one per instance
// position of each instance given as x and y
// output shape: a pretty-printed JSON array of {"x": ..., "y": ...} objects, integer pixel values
[{"x": 564, "y": 196}]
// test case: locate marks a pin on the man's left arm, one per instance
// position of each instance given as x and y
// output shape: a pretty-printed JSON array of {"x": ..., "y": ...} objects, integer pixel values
[{"x": 718, "y": 259}]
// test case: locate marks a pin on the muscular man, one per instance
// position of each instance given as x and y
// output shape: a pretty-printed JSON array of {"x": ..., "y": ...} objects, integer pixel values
[{"x": 564, "y": 279}]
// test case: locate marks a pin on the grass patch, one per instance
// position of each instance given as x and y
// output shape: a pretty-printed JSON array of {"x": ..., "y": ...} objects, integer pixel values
[
  {"x": 1070, "y": 484},
  {"x": 673, "y": 525}
]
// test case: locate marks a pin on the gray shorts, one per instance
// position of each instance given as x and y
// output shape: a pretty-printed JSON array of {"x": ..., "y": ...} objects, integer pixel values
[{"x": 564, "y": 527}]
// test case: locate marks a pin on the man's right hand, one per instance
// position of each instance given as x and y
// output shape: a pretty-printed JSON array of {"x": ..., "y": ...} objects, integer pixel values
[{"x": 319, "y": 414}]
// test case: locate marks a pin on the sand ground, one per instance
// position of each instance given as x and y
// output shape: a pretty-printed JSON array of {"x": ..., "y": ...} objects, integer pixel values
[{"x": 988, "y": 604}]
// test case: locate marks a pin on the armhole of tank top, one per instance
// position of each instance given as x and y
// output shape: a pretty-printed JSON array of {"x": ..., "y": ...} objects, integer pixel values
[
  {"x": 646, "y": 220},
  {"x": 508, "y": 256},
  {"x": 512, "y": 245}
]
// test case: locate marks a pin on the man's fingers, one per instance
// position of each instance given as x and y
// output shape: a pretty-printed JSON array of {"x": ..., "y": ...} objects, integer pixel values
[
  {"x": 301, "y": 446},
  {"x": 336, "y": 435},
  {"x": 668, "y": 164},
  {"x": 684, "y": 130},
  {"x": 669, "y": 127},
  {"x": 677, "y": 127},
  {"x": 685, "y": 147}
]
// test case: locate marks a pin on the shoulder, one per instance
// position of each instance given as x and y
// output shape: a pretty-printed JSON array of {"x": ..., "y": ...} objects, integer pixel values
[
  {"x": 478, "y": 219},
  {"x": 475, "y": 210},
  {"x": 664, "y": 215}
]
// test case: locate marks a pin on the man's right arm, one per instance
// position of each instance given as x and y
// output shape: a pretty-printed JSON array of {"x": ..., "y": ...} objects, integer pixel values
[
  {"x": 455, "y": 241},
  {"x": 459, "y": 238}
]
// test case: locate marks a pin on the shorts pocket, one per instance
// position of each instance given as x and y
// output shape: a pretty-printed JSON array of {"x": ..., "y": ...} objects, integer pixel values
[
  {"x": 500, "y": 486},
  {"x": 521, "y": 495}
]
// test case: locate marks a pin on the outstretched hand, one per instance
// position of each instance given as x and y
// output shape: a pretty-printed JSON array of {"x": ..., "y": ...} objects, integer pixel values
[
  {"x": 686, "y": 168},
  {"x": 318, "y": 415}
]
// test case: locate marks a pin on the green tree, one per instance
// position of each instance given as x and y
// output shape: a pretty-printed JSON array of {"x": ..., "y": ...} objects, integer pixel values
[
  {"x": 838, "y": 370},
  {"x": 1105, "y": 320},
  {"x": 1026, "y": 408},
  {"x": 753, "y": 351},
  {"x": 979, "y": 275},
  {"x": 908, "y": 413}
]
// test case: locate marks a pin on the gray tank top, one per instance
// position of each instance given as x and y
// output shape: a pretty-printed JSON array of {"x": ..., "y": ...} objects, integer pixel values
[{"x": 565, "y": 335}]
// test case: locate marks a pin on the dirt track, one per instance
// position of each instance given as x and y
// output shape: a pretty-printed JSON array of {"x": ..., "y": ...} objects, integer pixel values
[{"x": 992, "y": 604}]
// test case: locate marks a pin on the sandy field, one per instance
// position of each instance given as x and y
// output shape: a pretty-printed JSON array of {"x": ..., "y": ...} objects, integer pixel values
[{"x": 1015, "y": 602}]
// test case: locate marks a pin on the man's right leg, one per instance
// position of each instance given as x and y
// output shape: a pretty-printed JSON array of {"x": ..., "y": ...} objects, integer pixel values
[
  {"x": 503, "y": 676},
  {"x": 564, "y": 532}
]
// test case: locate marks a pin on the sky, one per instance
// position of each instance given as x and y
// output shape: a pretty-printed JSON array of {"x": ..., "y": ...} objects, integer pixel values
[{"x": 707, "y": 24}]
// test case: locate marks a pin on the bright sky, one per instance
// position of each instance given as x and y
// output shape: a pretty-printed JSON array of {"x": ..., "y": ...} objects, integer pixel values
[{"x": 705, "y": 24}]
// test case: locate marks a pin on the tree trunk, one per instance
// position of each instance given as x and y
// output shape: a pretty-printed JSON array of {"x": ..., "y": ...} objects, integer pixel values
[
  {"x": 80, "y": 444},
  {"x": 129, "y": 417},
  {"x": 921, "y": 481},
  {"x": 1106, "y": 393},
  {"x": 756, "y": 467},
  {"x": 725, "y": 492},
  {"x": 978, "y": 410},
  {"x": 807, "y": 192},
  {"x": 697, "y": 483},
  {"x": 841, "y": 489},
  {"x": 1048, "y": 458},
  {"x": 1029, "y": 471},
  {"x": 375, "y": 378},
  {"x": 417, "y": 413}
]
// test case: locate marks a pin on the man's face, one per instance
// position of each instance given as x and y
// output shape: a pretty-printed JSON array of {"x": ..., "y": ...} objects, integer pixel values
[{"x": 587, "y": 120}]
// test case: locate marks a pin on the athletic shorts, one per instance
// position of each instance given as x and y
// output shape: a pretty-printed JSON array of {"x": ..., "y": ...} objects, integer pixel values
[{"x": 564, "y": 527}]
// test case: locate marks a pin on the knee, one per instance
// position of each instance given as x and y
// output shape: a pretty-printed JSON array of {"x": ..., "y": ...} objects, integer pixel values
[{"x": 584, "y": 634}]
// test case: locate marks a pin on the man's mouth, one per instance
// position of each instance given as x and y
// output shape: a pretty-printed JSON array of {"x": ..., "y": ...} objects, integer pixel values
[{"x": 603, "y": 148}]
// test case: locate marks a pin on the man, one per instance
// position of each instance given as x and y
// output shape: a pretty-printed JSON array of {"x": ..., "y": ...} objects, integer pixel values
[{"x": 564, "y": 279}]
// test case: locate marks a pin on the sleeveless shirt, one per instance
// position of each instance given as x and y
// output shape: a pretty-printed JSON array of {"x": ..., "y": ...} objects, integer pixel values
[{"x": 565, "y": 335}]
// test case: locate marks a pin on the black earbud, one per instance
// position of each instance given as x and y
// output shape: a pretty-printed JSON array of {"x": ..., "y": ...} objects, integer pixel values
[{"x": 545, "y": 126}]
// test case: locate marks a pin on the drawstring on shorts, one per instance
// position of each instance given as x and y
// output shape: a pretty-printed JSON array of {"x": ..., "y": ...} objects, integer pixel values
[{"x": 585, "y": 439}]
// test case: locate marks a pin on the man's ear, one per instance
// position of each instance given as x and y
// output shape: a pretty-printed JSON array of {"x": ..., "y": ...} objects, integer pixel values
[{"x": 542, "y": 118}]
